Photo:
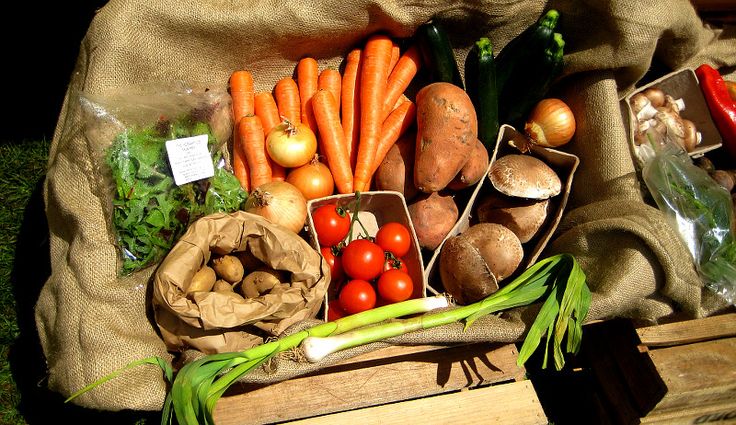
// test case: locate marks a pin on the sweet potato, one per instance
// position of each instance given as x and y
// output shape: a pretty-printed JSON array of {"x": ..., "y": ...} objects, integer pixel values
[
  {"x": 433, "y": 217},
  {"x": 473, "y": 170},
  {"x": 396, "y": 172},
  {"x": 447, "y": 128}
]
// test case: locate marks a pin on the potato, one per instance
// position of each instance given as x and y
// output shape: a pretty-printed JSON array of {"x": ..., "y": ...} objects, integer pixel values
[
  {"x": 433, "y": 216},
  {"x": 222, "y": 286},
  {"x": 203, "y": 280},
  {"x": 475, "y": 262},
  {"x": 464, "y": 273},
  {"x": 263, "y": 281},
  {"x": 447, "y": 128},
  {"x": 524, "y": 217},
  {"x": 473, "y": 170},
  {"x": 396, "y": 172},
  {"x": 228, "y": 267}
]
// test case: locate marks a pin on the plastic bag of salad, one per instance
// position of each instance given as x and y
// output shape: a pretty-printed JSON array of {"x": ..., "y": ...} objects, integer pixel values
[{"x": 162, "y": 148}]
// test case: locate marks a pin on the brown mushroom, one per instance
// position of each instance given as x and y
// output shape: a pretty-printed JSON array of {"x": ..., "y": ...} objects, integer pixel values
[
  {"x": 655, "y": 95},
  {"x": 723, "y": 178},
  {"x": 522, "y": 216},
  {"x": 692, "y": 136},
  {"x": 524, "y": 176}
]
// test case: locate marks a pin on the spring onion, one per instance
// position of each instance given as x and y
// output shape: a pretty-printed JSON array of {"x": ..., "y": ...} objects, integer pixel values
[{"x": 198, "y": 385}]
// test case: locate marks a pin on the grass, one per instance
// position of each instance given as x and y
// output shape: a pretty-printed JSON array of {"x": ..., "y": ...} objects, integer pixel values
[
  {"x": 22, "y": 168},
  {"x": 24, "y": 267}
]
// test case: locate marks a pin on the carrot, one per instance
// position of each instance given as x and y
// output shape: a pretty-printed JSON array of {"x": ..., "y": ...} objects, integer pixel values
[
  {"x": 350, "y": 103},
  {"x": 240, "y": 167},
  {"x": 241, "y": 91},
  {"x": 376, "y": 59},
  {"x": 331, "y": 80},
  {"x": 400, "y": 78},
  {"x": 307, "y": 72},
  {"x": 395, "y": 54},
  {"x": 266, "y": 109},
  {"x": 332, "y": 140},
  {"x": 395, "y": 125},
  {"x": 253, "y": 144},
  {"x": 286, "y": 93}
]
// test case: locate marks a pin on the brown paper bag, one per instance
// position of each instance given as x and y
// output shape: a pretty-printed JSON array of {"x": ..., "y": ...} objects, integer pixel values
[{"x": 213, "y": 322}]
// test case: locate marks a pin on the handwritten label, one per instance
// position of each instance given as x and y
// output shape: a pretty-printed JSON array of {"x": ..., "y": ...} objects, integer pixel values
[{"x": 190, "y": 159}]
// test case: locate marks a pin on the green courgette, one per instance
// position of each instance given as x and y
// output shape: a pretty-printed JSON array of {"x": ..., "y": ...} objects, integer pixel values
[
  {"x": 528, "y": 85},
  {"x": 480, "y": 80},
  {"x": 520, "y": 51},
  {"x": 437, "y": 54}
]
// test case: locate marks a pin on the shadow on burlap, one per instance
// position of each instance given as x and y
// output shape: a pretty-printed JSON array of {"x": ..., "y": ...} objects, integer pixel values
[{"x": 91, "y": 321}]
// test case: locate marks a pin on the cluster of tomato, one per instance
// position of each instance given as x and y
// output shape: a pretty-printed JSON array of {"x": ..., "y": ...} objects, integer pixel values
[{"x": 365, "y": 271}]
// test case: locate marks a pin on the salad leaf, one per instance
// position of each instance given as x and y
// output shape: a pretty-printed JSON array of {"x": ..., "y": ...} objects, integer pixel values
[{"x": 149, "y": 211}]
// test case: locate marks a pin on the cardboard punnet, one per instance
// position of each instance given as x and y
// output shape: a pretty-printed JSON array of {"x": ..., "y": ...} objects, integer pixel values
[
  {"x": 682, "y": 84},
  {"x": 564, "y": 165},
  {"x": 376, "y": 209}
]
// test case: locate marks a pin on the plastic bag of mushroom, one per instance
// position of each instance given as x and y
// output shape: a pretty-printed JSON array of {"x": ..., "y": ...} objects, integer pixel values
[{"x": 510, "y": 217}]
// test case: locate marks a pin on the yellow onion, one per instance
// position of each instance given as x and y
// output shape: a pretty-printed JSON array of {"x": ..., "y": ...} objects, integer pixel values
[
  {"x": 280, "y": 203},
  {"x": 550, "y": 124}
]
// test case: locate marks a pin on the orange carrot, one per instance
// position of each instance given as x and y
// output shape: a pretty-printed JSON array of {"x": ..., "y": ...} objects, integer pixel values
[
  {"x": 350, "y": 103},
  {"x": 395, "y": 125},
  {"x": 332, "y": 140},
  {"x": 376, "y": 58},
  {"x": 241, "y": 91},
  {"x": 400, "y": 78},
  {"x": 331, "y": 80},
  {"x": 307, "y": 72},
  {"x": 240, "y": 167},
  {"x": 395, "y": 54},
  {"x": 286, "y": 93},
  {"x": 253, "y": 143},
  {"x": 266, "y": 109}
]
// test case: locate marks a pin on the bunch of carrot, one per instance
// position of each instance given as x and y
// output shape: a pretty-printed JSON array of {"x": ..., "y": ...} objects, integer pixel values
[{"x": 357, "y": 115}]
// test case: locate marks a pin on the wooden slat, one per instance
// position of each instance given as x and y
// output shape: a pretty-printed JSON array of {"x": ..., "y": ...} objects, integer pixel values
[
  {"x": 697, "y": 374},
  {"x": 689, "y": 331},
  {"x": 376, "y": 378},
  {"x": 719, "y": 413},
  {"x": 512, "y": 403}
]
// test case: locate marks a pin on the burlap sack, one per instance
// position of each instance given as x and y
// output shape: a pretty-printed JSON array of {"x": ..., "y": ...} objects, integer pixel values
[{"x": 91, "y": 322}]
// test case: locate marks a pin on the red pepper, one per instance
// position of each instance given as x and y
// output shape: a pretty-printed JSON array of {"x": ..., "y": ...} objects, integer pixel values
[{"x": 722, "y": 107}]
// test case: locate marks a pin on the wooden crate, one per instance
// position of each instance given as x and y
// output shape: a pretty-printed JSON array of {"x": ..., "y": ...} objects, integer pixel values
[
  {"x": 469, "y": 383},
  {"x": 676, "y": 373}
]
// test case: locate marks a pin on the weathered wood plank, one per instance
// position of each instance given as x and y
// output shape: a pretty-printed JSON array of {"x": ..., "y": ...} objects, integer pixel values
[
  {"x": 697, "y": 374},
  {"x": 511, "y": 403},
  {"x": 378, "y": 380},
  {"x": 689, "y": 331}
]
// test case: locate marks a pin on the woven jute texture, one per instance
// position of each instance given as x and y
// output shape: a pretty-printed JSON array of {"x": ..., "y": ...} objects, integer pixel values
[{"x": 91, "y": 321}]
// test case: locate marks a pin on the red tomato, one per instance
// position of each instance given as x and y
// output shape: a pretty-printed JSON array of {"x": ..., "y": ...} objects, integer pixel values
[
  {"x": 362, "y": 259},
  {"x": 334, "y": 311},
  {"x": 394, "y": 238},
  {"x": 331, "y": 224},
  {"x": 336, "y": 272},
  {"x": 395, "y": 285},
  {"x": 356, "y": 296},
  {"x": 393, "y": 263}
]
